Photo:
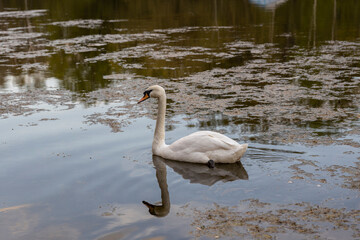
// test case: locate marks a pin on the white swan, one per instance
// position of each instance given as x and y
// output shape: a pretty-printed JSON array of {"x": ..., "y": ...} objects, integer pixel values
[{"x": 200, "y": 147}]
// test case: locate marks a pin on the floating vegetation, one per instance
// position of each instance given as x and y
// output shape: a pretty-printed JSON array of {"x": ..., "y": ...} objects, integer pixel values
[
  {"x": 260, "y": 220},
  {"x": 80, "y": 23},
  {"x": 24, "y": 14}
]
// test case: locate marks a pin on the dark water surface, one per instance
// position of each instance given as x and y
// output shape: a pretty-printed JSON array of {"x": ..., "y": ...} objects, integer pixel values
[{"x": 75, "y": 148}]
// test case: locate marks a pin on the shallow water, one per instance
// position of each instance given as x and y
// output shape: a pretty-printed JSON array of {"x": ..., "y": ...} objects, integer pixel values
[{"x": 76, "y": 159}]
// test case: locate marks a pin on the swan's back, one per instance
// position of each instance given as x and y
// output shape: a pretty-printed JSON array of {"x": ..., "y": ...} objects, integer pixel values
[{"x": 203, "y": 146}]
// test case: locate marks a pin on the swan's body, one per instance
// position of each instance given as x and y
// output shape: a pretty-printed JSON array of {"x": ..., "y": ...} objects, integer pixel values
[{"x": 198, "y": 147}]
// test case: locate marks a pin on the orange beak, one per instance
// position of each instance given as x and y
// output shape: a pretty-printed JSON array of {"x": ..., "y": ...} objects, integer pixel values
[{"x": 146, "y": 96}]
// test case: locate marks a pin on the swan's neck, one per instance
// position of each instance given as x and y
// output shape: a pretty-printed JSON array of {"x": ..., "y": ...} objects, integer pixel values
[
  {"x": 161, "y": 177},
  {"x": 159, "y": 135}
]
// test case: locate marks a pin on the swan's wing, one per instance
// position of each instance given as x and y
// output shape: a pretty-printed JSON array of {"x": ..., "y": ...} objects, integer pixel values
[
  {"x": 203, "y": 141},
  {"x": 218, "y": 136}
]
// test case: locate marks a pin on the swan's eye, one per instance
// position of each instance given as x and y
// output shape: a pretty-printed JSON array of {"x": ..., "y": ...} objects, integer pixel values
[{"x": 147, "y": 93}]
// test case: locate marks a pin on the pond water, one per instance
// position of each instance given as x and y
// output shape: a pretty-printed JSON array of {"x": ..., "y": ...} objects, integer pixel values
[{"x": 75, "y": 148}]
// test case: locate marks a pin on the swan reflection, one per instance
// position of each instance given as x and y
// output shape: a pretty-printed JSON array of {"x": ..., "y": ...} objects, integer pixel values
[
  {"x": 196, "y": 173},
  {"x": 163, "y": 209}
]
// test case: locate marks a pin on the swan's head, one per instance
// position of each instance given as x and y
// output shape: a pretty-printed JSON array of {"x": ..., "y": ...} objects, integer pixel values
[
  {"x": 154, "y": 91},
  {"x": 159, "y": 211}
]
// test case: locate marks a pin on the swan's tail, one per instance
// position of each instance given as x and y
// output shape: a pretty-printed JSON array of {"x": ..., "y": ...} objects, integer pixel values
[{"x": 241, "y": 151}]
